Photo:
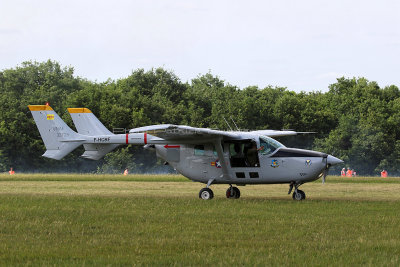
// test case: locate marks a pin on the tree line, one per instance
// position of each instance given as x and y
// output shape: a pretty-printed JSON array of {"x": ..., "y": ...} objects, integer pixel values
[{"x": 355, "y": 120}]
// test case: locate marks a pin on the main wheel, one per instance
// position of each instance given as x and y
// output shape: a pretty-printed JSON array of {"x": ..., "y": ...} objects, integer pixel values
[
  {"x": 237, "y": 192},
  {"x": 299, "y": 195},
  {"x": 229, "y": 194},
  {"x": 206, "y": 193},
  {"x": 233, "y": 193}
]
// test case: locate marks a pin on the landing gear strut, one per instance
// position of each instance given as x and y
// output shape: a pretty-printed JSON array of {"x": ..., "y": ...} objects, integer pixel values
[
  {"x": 297, "y": 194},
  {"x": 232, "y": 192}
]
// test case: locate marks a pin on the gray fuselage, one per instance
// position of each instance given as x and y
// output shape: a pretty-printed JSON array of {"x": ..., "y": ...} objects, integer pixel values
[{"x": 201, "y": 163}]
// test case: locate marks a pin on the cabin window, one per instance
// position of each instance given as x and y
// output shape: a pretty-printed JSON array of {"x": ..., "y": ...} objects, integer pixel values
[
  {"x": 240, "y": 175},
  {"x": 215, "y": 153},
  {"x": 253, "y": 174},
  {"x": 268, "y": 145},
  {"x": 199, "y": 150}
]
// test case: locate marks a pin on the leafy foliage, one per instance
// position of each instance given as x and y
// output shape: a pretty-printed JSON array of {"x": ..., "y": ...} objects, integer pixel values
[{"x": 355, "y": 120}]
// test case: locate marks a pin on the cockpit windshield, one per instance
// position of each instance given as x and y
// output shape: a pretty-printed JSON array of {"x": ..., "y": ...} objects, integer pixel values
[{"x": 268, "y": 145}]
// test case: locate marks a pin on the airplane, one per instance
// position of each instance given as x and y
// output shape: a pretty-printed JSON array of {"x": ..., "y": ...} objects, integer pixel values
[{"x": 202, "y": 155}]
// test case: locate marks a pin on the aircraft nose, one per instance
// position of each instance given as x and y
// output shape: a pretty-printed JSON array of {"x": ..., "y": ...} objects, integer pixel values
[{"x": 333, "y": 160}]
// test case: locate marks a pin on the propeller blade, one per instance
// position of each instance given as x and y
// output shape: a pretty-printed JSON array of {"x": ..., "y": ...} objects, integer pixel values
[
  {"x": 325, "y": 170},
  {"x": 324, "y": 175},
  {"x": 329, "y": 161}
]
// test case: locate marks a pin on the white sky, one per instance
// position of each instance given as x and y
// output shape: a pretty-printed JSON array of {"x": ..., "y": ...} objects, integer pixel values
[{"x": 303, "y": 45}]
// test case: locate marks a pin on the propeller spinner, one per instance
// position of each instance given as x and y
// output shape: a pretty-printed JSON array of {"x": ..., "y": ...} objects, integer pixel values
[{"x": 329, "y": 161}]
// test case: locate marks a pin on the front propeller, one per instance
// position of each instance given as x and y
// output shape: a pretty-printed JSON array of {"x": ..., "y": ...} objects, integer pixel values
[
  {"x": 326, "y": 169},
  {"x": 329, "y": 161}
]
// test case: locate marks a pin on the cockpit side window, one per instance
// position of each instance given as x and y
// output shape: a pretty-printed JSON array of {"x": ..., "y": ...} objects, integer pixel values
[
  {"x": 268, "y": 145},
  {"x": 199, "y": 150},
  {"x": 215, "y": 153}
]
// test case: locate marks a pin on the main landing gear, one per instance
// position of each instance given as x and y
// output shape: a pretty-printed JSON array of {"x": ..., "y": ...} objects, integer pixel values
[
  {"x": 297, "y": 194},
  {"x": 206, "y": 193},
  {"x": 232, "y": 192}
]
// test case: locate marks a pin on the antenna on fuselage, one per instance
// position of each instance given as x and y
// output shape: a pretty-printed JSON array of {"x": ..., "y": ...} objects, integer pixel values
[
  {"x": 237, "y": 128},
  {"x": 227, "y": 123}
]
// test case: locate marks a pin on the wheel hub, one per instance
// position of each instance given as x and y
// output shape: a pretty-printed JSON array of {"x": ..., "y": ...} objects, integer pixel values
[{"x": 205, "y": 195}]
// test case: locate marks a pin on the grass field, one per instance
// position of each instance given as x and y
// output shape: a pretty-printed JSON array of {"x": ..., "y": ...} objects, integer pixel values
[{"x": 69, "y": 220}]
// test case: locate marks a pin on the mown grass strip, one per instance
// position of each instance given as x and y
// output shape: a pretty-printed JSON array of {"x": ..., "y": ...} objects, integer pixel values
[
  {"x": 105, "y": 222},
  {"x": 361, "y": 180},
  {"x": 96, "y": 230}
]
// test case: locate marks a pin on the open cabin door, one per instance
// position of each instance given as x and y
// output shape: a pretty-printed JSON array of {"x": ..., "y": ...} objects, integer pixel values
[{"x": 243, "y": 153}]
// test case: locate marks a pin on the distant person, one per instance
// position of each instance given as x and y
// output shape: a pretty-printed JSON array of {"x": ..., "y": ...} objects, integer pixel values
[
  {"x": 11, "y": 171},
  {"x": 384, "y": 173},
  {"x": 343, "y": 172},
  {"x": 126, "y": 172},
  {"x": 354, "y": 173},
  {"x": 349, "y": 173}
]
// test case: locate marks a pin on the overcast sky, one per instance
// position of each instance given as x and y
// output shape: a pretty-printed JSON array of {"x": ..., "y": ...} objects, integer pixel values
[{"x": 302, "y": 45}]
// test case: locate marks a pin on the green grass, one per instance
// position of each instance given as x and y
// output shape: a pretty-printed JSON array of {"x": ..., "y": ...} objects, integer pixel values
[
  {"x": 362, "y": 179},
  {"x": 84, "y": 221}
]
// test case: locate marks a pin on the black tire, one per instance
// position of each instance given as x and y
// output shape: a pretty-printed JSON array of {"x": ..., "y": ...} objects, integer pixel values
[
  {"x": 229, "y": 194},
  {"x": 236, "y": 192},
  {"x": 206, "y": 193},
  {"x": 300, "y": 195}
]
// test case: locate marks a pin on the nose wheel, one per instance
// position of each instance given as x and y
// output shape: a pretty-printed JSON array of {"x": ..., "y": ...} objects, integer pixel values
[{"x": 297, "y": 194}]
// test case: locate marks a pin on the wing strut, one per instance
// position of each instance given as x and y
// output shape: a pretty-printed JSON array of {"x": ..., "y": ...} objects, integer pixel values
[{"x": 221, "y": 158}]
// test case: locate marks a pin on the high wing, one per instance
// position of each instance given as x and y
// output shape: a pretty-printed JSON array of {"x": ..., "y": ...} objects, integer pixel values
[
  {"x": 272, "y": 133},
  {"x": 60, "y": 140},
  {"x": 183, "y": 132}
]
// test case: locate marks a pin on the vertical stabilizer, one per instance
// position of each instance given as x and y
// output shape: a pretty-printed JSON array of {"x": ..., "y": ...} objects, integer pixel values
[
  {"x": 58, "y": 138},
  {"x": 86, "y": 123}
]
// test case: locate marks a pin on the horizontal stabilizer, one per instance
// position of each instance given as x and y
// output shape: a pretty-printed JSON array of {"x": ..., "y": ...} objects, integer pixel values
[
  {"x": 97, "y": 151},
  {"x": 60, "y": 153}
]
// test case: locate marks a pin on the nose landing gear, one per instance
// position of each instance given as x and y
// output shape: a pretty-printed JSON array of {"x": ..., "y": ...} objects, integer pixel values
[{"x": 297, "y": 194}]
